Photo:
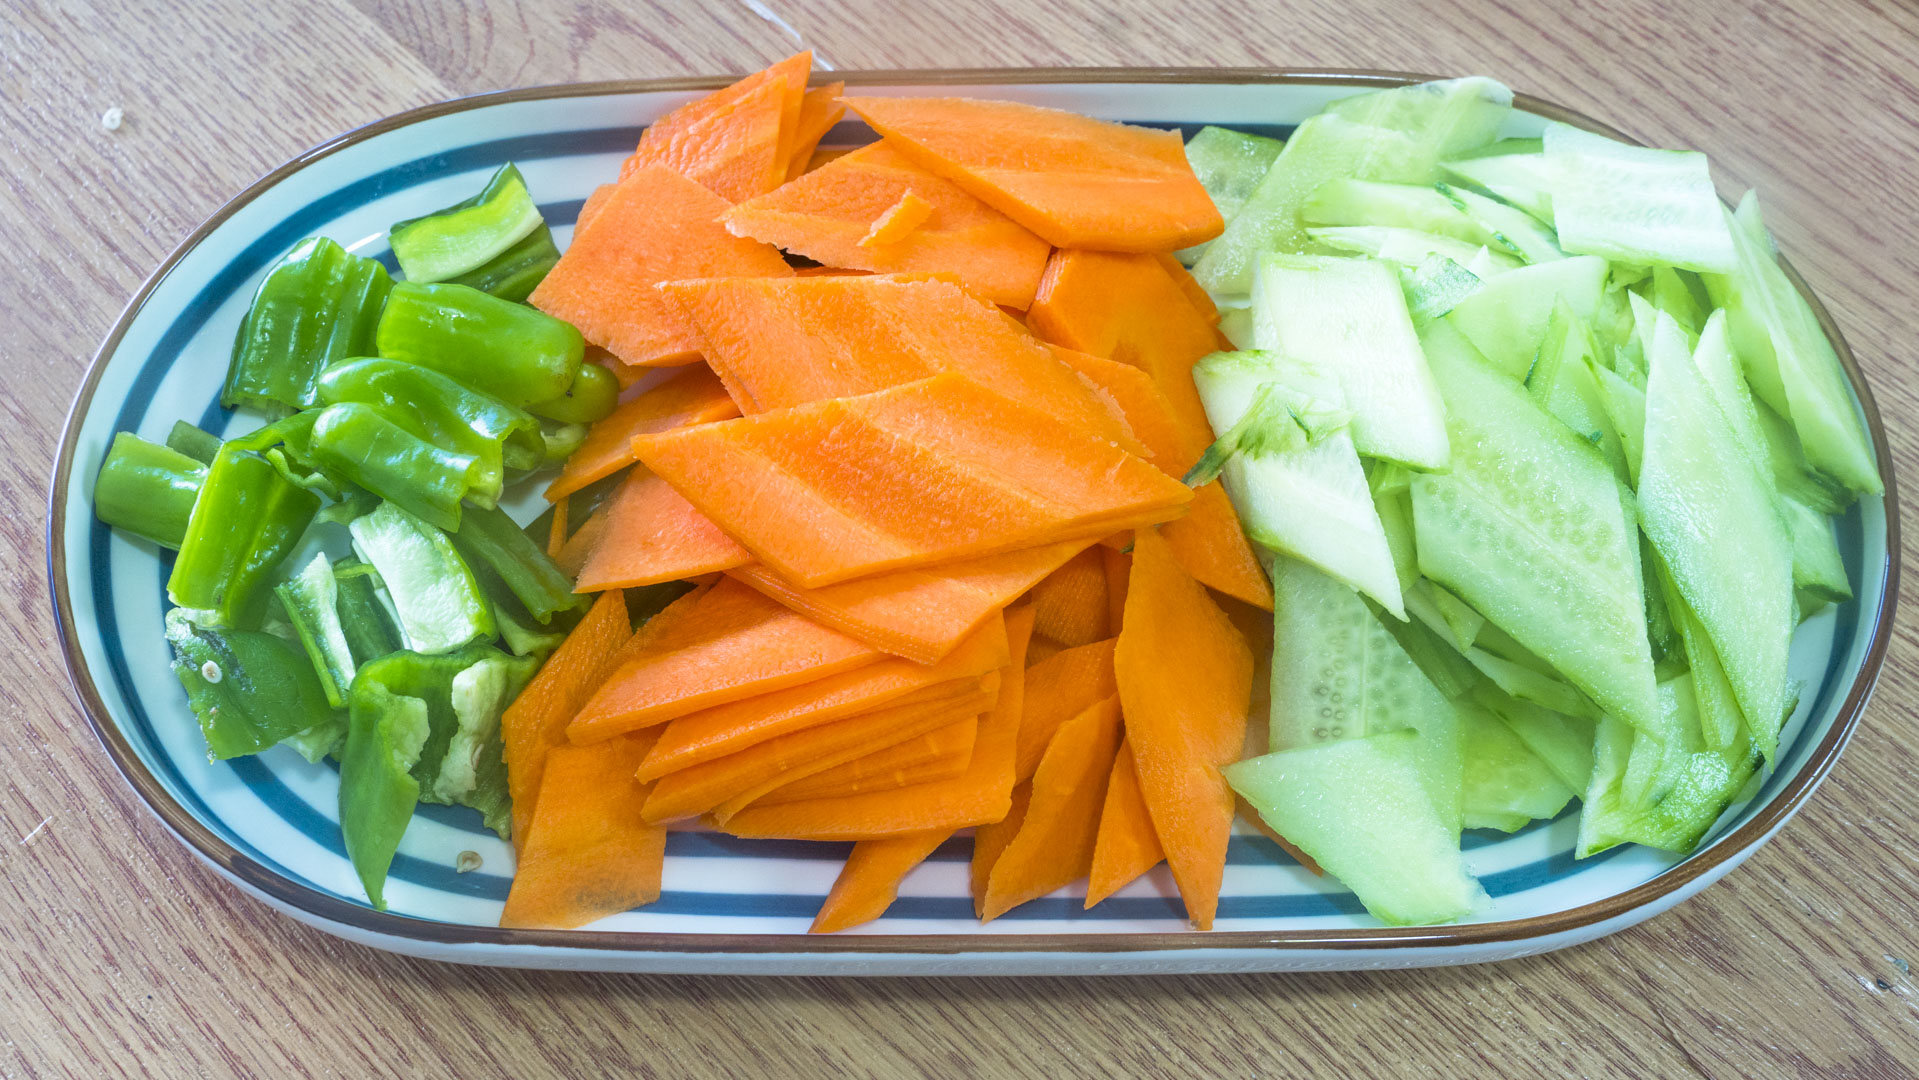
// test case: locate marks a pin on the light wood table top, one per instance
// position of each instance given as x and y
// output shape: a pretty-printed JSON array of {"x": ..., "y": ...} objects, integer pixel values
[{"x": 119, "y": 954}]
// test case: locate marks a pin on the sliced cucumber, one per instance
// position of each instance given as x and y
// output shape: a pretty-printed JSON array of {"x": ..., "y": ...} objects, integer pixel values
[
  {"x": 1395, "y": 510},
  {"x": 1229, "y": 165},
  {"x": 1359, "y": 810},
  {"x": 1435, "y": 655},
  {"x": 1408, "y": 246},
  {"x": 1526, "y": 684},
  {"x": 1512, "y": 229},
  {"x": 1710, "y": 514},
  {"x": 1507, "y": 319},
  {"x": 1236, "y": 323},
  {"x": 1435, "y": 287},
  {"x": 1625, "y": 405},
  {"x": 1794, "y": 477},
  {"x": 1564, "y": 743},
  {"x": 1446, "y": 117},
  {"x": 1562, "y": 382},
  {"x": 1685, "y": 788},
  {"x": 1633, "y": 203},
  {"x": 1513, "y": 169},
  {"x": 1677, "y": 293},
  {"x": 1311, "y": 502},
  {"x": 1505, "y": 785},
  {"x": 1352, "y": 203},
  {"x": 1714, "y": 358},
  {"x": 1529, "y": 529},
  {"x": 1816, "y": 565},
  {"x": 1349, "y": 316}
]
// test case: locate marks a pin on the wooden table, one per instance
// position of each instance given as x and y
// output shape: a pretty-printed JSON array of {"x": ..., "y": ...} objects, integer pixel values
[{"x": 121, "y": 955}]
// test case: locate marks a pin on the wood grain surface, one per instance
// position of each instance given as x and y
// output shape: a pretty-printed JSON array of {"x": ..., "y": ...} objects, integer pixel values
[{"x": 120, "y": 955}]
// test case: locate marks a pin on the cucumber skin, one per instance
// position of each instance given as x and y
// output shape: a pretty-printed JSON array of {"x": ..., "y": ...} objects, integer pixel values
[
  {"x": 1504, "y": 780},
  {"x": 1634, "y": 204},
  {"x": 1509, "y": 317}
]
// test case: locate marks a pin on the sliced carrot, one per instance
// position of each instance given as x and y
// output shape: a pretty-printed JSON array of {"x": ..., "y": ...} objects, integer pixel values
[
  {"x": 696, "y": 135},
  {"x": 1185, "y": 678},
  {"x": 1195, "y": 292},
  {"x": 820, "y": 109},
  {"x": 990, "y": 841},
  {"x": 825, "y": 156},
  {"x": 591, "y": 207},
  {"x": 653, "y": 535},
  {"x": 827, "y": 213},
  {"x": 752, "y": 772},
  {"x": 626, "y": 376},
  {"x": 870, "y": 881},
  {"x": 579, "y": 547},
  {"x": 693, "y": 395},
  {"x": 1127, "y": 845},
  {"x": 980, "y": 795},
  {"x": 801, "y": 339},
  {"x": 1042, "y": 650},
  {"x": 1055, "y": 843},
  {"x": 730, "y": 643},
  {"x": 1119, "y": 567},
  {"x": 536, "y": 721},
  {"x": 656, "y": 226},
  {"x": 898, "y": 222},
  {"x": 726, "y": 729},
  {"x": 921, "y": 615},
  {"x": 930, "y": 472},
  {"x": 1057, "y": 689},
  {"x": 1077, "y": 181},
  {"x": 556, "y": 530},
  {"x": 939, "y": 754},
  {"x": 734, "y": 151},
  {"x": 1069, "y": 605},
  {"x": 589, "y": 855}
]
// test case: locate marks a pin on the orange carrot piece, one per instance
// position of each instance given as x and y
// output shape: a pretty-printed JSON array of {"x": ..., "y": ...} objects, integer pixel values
[
  {"x": 536, "y": 721},
  {"x": 1195, "y": 292},
  {"x": 1069, "y": 605},
  {"x": 579, "y": 547},
  {"x": 590, "y": 209},
  {"x": 980, "y": 795},
  {"x": 825, "y": 156},
  {"x": 870, "y": 881},
  {"x": 930, "y": 472},
  {"x": 726, "y": 729},
  {"x": 1185, "y": 678},
  {"x": 1077, "y": 181},
  {"x": 1055, "y": 843},
  {"x": 990, "y": 841},
  {"x": 589, "y": 854},
  {"x": 827, "y": 213},
  {"x": 652, "y": 535},
  {"x": 735, "y": 152},
  {"x": 694, "y": 136},
  {"x": 1119, "y": 567},
  {"x": 656, "y": 226},
  {"x": 626, "y": 376},
  {"x": 921, "y": 615},
  {"x": 557, "y": 531},
  {"x": 939, "y": 754},
  {"x": 1127, "y": 846},
  {"x": 760, "y": 768},
  {"x": 897, "y": 222},
  {"x": 820, "y": 109},
  {"x": 1057, "y": 689},
  {"x": 693, "y": 395},
  {"x": 730, "y": 643}
]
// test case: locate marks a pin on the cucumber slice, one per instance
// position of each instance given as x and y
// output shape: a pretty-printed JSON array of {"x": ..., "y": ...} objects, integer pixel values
[
  {"x": 1395, "y": 510},
  {"x": 1794, "y": 477},
  {"x": 1564, "y": 743},
  {"x": 1816, "y": 566},
  {"x": 1325, "y": 147},
  {"x": 1445, "y": 614},
  {"x": 1505, "y": 784},
  {"x": 1435, "y": 655},
  {"x": 1423, "y": 208},
  {"x": 1625, "y": 406},
  {"x": 1408, "y": 246},
  {"x": 1530, "y": 530},
  {"x": 1340, "y": 533},
  {"x": 1349, "y": 316},
  {"x": 1358, "y": 809},
  {"x": 1509, "y": 317},
  {"x": 1562, "y": 383},
  {"x": 1236, "y": 323},
  {"x": 1526, "y": 684},
  {"x": 1513, "y": 169},
  {"x": 1710, "y": 514},
  {"x": 1660, "y": 629},
  {"x": 1512, "y": 229},
  {"x": 1714, "y": 358},
  {"x": 1435, "y": 287},
  {"x": 1229, "y": 165},
  {"x": 1686, "y": 787},
  {"x": 1635, "y": 204},
  {"x": 1790, "y": 364},
  {"x": 1673, "y": 292},
  {"x": 1446, "y": 117}
]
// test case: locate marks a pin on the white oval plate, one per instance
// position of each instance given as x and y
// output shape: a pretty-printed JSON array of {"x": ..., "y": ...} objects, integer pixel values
[{"x": 269, "y": 823}]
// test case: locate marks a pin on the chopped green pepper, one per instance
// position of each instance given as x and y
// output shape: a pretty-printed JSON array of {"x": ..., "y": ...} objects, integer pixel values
[
  {"x": 508, "y": 350},
  {"x": 561, "y": 440},
  {"x": 312, "y": 602},
  {"x": 594, "y": 394},
  {"x": 468, "y": 235},
  {"x": 194, "y": 443},
  {"x": 517, "y": 271},
  {"x": 440, "y": 606},
  {"x": 385, "y": 732},
  {"x": 316, "y": 305},
  {"x": 249, "y": 689},
  {"x": 147, "y": 489},
  {"x": 247, "y": 520},
  {"x": 363, "y": 444},
  {"x": 438, "y": 410},
  {"x": 369, "y": 629},
  {"x": 490, "y": 538}
]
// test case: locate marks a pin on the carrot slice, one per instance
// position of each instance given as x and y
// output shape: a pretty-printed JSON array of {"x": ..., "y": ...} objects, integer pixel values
[
  {"x": 651, "y": 535},
  {"x": 591, "y": 207},
  {"x": 1119, "y": 567},
  {"x": 740, "y": 778},
  {"x": 1076, "y": 181},
  {"x": 826, "y": 214},
  {"x": 579, "y": 547},
  {"x": 730, "y": 643},
  {"x": 734, "y": 151},
  {"x": 692, "y": 396},
  {"x": 990, "y": 841},
  {"x": 557, "y": 530},
  {"x": 820, "y": 109},
  {"x": 981, "y": 794},
  {"x": 1195, "y": 292},
  {"x": 1069, "y": 605},
  {"x": 589, "y": 855},
  {"x": 1185, "y": 677},
  {"x": 1057, "y": 689},
  {"x": 921, "y": 615},
  {"x": 939, "y": 754},
  {"x": 1055, "y": 843},
  {"x": 726, "y": 729},
  {"x": 930, "y": 472},
  {"x": 1127, "y": 846},
  {"x": 897, "y": 222},
  {"x": 870, "y": 881},
  {"x": 656, "y": 226},
  {"x": 536, "y": 721}
]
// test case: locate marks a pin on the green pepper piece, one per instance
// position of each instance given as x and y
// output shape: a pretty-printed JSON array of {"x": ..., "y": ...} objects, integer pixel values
[
  {"x": 247, "y": 520},
  {"x": 490, "y": 538},
  {"x": 194, "y": 443},
  {"x": 364, "y": 445},
  {"x": 249, "y": 689},
  {"x": 516, "y": 272},
  {"x": 440, "y": 605},
  {"x": 316, "y": 305},
  {"x": 594, "y": 394},
  {"x": 561, "y": 441},
  {"x": 509, "y": 350},
  {"x": 469, "y": 234},
  {"x": 385, "y": 732},
  {"x": 147, "y": 489},
  {"x": 438, "y": 410},
  {"x": 370, "y": 632},
  {"x": 312, "y": 602}
]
